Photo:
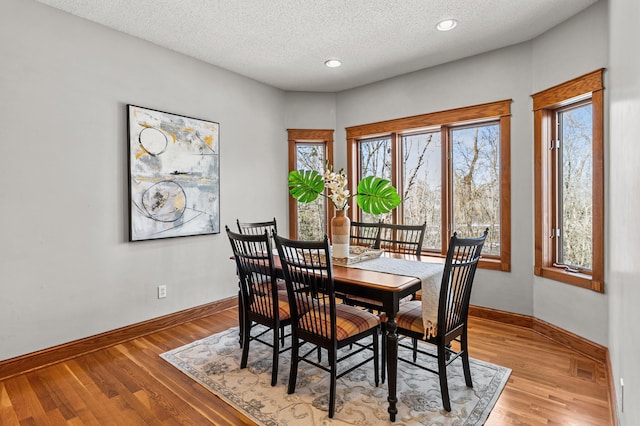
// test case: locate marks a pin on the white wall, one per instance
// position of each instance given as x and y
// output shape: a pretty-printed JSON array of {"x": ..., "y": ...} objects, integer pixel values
[
  {"x": 623, "y": 189},
  {"x": 66, "y": 268},
  {"x": 304, "y": 110}
]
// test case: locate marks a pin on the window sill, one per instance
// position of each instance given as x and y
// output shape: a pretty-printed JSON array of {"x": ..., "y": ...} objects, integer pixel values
[
  {"x": 494, "y": 264},
  {"x": 485, "y": 262},
  {"x": 573, "y": 278}
]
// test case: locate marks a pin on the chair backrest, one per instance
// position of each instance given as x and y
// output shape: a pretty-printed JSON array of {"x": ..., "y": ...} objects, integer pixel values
[
  {"x": 309, "y": 276},
  {"x": 455, "y": 290},
  {"x": 402, "y": 238},
  {"x": 254, "y": 261},
  {"x": 365, "y": 234},
  {"x": 257, "y": 228}
]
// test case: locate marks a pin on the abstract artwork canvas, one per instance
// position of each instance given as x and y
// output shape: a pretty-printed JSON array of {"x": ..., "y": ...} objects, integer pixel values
[{"x": 174, "y": 170}]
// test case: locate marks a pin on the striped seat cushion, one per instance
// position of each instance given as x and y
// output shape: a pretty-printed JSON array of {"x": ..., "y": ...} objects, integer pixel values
[
  {"x": 409, "y": 317},
  {"x": 284, "y": 310},
  {"x": 280, "y": 283},
  {"x": 349, "y": 321}
]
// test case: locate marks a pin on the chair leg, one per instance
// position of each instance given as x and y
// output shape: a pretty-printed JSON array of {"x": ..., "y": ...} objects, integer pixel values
[
  {"x": 293, "y": 371},
  {"x": 240, "y": 316},
  {"x": 465, "y": 361},
  {"x": 415, "y": 348},
  {"x": 376, "y": 363},
  {"x": 276, "y": 354},
  {"x": 332, "y": 386},
  {"x": 442, "y": 374},
  {"x": 245, "y": 343}
]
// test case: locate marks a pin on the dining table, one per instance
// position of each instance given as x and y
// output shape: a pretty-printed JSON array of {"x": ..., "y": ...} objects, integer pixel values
[{"x": 388, "y": 289}]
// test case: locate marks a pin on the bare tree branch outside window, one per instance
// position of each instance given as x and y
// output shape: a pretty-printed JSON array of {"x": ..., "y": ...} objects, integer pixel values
[
  {"x": 312, "y": 217},
  {"x": 476, "y": 182}
]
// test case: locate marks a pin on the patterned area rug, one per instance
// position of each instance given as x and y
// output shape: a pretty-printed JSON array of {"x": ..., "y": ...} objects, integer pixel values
[{"x": 214, "y": 362}]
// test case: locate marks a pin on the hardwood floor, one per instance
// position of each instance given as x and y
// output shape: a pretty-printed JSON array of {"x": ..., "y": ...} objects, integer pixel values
[{"x": 129, "y": 384}]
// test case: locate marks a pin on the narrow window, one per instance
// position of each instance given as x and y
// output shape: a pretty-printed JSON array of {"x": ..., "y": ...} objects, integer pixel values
[
  {"x": 573, "y": 168},
  {"x": 569, "y": 182},
  {"x": 309, "y": 150}
]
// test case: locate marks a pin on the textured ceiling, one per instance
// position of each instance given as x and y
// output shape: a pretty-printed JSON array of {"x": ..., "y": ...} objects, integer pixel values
[{"x": 284, "y": 43}]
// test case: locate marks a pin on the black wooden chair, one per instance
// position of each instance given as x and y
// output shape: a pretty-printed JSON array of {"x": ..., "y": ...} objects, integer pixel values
[
  {"x": 317, "y": 318},
  {"x": 261, "y": 300},
  {"x": 365, "y": 234},
  {"x": 405, "y": 239},
  {"x": 255, "y": 228},
  {"x": 453, "y": 308},
  {"x": 400, "y": 238}
]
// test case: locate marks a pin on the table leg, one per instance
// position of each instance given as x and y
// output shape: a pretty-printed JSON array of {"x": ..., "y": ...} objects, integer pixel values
[{"x": 392, "y": 365}]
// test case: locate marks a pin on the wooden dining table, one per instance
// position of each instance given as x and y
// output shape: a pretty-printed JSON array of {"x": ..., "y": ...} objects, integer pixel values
[{"x": 388, "y": 289}]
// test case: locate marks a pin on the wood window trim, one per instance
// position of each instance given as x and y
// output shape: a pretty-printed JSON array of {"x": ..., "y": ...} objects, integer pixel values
[
  {"x": 307, "y": 135},
  {"x": 544, "y": 103},
  {"x": 499, "y": 110}
]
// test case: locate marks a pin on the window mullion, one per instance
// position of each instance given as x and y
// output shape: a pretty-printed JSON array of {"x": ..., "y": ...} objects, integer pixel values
[
  {"x": 396, "y": 161},
  {"x": 446, "y": 179}
]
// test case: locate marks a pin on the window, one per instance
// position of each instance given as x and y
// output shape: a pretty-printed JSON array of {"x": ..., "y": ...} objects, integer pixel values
[
  {"x": 422, "y": 184},
  {"x": 451, "y": 169},
  {"x": 375, "y": 160},
  {"x": 569, "y": 182},
  {"x": 309, "y": 150},
  {"x": 475, "y": 158}
]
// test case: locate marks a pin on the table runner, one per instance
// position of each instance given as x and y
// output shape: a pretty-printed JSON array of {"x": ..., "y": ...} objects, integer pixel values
[{"x": 430, "y": 275}]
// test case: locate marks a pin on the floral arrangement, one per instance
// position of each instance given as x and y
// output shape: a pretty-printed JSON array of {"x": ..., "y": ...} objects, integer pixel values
[
  {"x": 336, "y": 183},
  {"x": 374, "y": 195}
]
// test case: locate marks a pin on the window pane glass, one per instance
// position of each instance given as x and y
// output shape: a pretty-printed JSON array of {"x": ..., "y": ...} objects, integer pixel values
[
  {"x": 422, "y": 185},
  {"x": 375, "y": 160},
  {"x": 575, "y": 189},
  {"x": 312, "y": 217},
  {"x": 476, "y": 183}
]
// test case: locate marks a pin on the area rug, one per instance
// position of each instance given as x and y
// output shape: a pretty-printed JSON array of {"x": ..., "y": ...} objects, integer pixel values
[{"x": 214, "y": 362}]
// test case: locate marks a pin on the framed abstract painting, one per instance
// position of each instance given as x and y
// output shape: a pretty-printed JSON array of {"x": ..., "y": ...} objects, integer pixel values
[{"x": 174, "y": 175}]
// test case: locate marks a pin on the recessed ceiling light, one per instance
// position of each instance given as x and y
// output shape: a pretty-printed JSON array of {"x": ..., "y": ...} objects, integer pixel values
[
  {"x": 332, "y": 63},
  {"x": 446, "y": 25}
]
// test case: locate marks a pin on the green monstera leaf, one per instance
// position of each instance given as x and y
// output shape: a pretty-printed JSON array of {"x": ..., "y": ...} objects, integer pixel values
[
  {"x": 377, "y": 195},
  {"x": 305, "y": 185},
  {"x": 374, "y": 195}
]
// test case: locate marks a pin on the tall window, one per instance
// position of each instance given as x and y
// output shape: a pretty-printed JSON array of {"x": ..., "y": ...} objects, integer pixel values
[
  {"x": 569, "y": 180},
  {"x": 422, "y": 184},
  {"x": 475, "y": 157},
  {"x": 375, "y": 160},
  {"x": 451, "y": 169},
  {"x": 572, "y": 166},
  {"x": 309, "y": 150}
]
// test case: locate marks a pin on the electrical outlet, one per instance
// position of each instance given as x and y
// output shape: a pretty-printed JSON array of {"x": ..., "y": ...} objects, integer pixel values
[{"x": 162, "y": 291}]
